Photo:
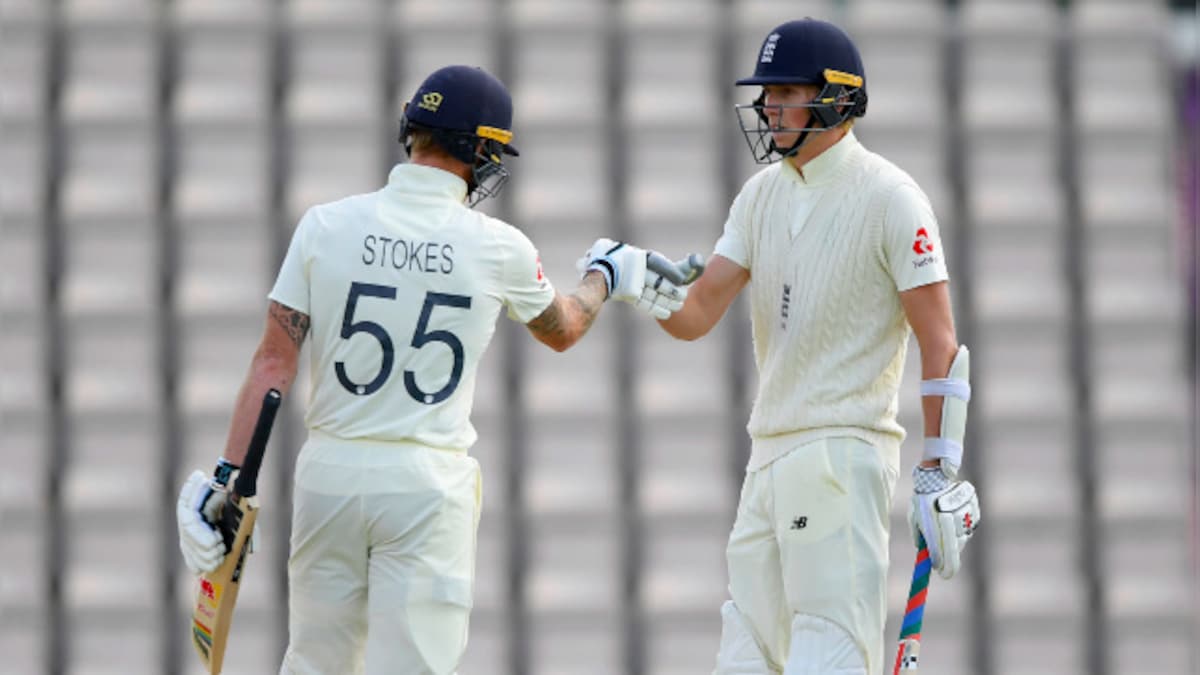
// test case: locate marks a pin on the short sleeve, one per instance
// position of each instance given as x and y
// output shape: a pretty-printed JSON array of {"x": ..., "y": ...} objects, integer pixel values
[
  {"x": 526, "y": 290},
  {"x": 734, "y": 243},
  {"x": 291, "y": 285},
  {"x": 912, "y": 244}
]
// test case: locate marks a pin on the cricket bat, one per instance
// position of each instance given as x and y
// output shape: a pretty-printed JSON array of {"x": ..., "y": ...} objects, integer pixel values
[
  {"x": 909, "y": 649},
  {"x": 679, "y": 273},
  {"x": 218, "y": 590}
]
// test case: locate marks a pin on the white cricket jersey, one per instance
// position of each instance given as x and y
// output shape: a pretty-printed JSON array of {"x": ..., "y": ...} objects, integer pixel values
[
  {"x": 403, "y": 287},
  {"x": 828, "y": 253}
]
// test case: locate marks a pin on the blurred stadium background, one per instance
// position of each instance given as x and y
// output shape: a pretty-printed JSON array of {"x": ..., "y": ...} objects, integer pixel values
[{"x": 154, "y": 157}]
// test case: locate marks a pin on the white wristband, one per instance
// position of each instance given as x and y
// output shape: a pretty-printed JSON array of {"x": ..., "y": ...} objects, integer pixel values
[{"x": 948, "y": 452}]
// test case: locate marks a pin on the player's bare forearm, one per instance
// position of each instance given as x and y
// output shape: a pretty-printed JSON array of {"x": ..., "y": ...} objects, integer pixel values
[
  {"x": 929, "y": 314},
  {"x": 568, "y": 318},
  {"x": 707, "y": 300},
  {"x": 273, "y": 367}
]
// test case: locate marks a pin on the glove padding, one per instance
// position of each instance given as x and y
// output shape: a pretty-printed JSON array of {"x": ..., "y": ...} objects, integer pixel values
[
  {"x": 196, "y": 513},
  {"x": 624, "y": 269},
  {"x": 198, "y": 516},
  {"x": 946, "y": 514},
  {"x": 660, "y": 298}
]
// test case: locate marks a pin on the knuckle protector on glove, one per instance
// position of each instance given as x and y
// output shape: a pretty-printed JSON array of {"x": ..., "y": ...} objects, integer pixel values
[
  {"x": 957, "y": 515},
  {"x": 962, "y": 503}
]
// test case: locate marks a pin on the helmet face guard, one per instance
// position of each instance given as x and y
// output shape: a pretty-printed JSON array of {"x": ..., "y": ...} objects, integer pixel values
[
  {"x": 482, "y": 150},
  {"x": 803, "y": 52},
  {"x": 841, "y": 98},
  {"x": 488, "y": 175}
]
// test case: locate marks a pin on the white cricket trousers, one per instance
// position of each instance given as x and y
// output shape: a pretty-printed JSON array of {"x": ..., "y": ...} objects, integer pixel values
[
  {"x": 382, "y": 563},
  {"x": 811, "y": 539}
]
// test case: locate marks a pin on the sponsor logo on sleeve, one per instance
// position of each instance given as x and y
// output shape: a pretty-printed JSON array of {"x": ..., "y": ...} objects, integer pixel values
[{"x": 923, "y": 247}]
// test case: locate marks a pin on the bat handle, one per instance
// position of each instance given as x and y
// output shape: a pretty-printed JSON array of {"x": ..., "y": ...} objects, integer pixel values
[
  {"x": 246, "y": 484},
  {"x": 679, "y": 273},
  {"x": 909, "y": 648}
]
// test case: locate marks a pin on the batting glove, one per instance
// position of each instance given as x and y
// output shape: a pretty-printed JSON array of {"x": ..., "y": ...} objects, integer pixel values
[
  {"x": 946, "y": 514},
  {"x": 198, "y": 513},
  {"x": 660, "y": 298},
  {"x": 622, "y": 265},
  {"x": 627, "y": 279}
]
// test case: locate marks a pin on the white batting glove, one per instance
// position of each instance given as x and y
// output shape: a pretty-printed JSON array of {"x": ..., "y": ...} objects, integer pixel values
[
  {"x": 196, "y": 514},
  {"x": 660, "y": 298},
  {"x": 623, "y": 266},
  {"x": 946, "y": 514},
  {"x": 624, "y": 269}
]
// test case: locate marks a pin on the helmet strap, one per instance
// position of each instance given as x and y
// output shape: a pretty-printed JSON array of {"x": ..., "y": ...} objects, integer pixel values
[{"x": 795, "y": 147}]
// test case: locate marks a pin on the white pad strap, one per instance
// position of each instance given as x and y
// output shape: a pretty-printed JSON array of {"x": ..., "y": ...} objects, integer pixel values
[
  {"x": 960, "y": 389},
  {"x": 948, "y": 451}
]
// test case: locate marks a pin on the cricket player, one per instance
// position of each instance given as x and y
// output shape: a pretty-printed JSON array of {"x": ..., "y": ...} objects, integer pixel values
[
  {"x": 841, "y": 253},
  {"x": 400, "y": 290}
]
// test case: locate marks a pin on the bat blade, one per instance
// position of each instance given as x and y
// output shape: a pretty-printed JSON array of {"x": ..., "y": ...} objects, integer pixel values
[
  {"x": 217, "y": 591},
  {"x": 679, "y": 273},
  {"x": 909, "y": 649}
]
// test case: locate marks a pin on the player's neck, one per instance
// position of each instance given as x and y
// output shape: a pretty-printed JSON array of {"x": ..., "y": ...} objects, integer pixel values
[
  {"x": 442, "y": 161},
  {"x": 816, "y": 144}
]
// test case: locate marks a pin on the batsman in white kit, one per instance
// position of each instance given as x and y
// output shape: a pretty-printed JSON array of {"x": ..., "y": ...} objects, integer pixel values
[
  {"x": 842, "y": 256},
  {"x": 400, "y": 290}
]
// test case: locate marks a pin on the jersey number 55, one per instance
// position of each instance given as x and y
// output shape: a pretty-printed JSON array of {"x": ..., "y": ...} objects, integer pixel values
[{"x": 421, "y": 337}]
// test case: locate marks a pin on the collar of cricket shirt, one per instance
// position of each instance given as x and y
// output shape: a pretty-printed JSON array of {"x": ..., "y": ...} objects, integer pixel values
[
  {"x": 823, "y": 167},
  {"x": 427, "y": 180}
]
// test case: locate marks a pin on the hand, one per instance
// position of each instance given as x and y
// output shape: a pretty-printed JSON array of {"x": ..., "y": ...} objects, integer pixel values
[
  {"x": 197, "y": 514},
  {"x": 946, "y": 514},
  {"x": 623, "y": 267},
  {"x": 660, "y": 298},
  {"x": 628, "y": 279}
]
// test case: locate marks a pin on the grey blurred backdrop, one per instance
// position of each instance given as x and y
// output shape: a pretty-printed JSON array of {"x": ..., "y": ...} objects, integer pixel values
[{"x": 155, "y": 156}]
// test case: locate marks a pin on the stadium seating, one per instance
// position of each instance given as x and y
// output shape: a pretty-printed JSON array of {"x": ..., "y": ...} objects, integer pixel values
[{"x": 182, "y": 141}]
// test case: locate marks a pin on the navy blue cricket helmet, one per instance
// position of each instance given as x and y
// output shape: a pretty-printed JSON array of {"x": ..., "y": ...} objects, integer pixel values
[
  {"x": 469, "y": 114},
  {"x": 806, "y": 51}
]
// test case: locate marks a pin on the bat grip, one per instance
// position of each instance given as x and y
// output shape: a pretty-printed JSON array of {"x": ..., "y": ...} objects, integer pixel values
[
  {"x": 246, "y": 484},
  {"x": 679, "y": 273}
]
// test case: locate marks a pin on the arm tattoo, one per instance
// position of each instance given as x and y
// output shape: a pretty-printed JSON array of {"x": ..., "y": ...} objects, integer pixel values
[
  {"x": 588, "y": 299},
  {"x": 550, "y": 322},
  {"x": 573, "y": 314},
  {"x": 292, "y": 321}
]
